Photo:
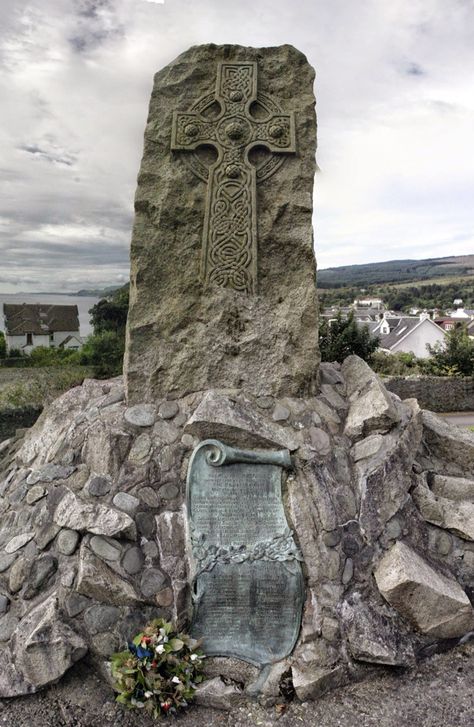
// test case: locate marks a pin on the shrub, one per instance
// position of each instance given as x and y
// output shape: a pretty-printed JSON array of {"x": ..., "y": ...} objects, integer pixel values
[
  {"x": 342, "y": 337},
  {"x": 159, "y": 671},
  {"x": 104, "y": 352}
]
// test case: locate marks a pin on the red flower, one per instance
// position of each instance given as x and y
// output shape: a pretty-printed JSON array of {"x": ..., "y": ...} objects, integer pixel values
[
  {"x": 154, "y": 664},
  {"x": 166, "y": 706}
]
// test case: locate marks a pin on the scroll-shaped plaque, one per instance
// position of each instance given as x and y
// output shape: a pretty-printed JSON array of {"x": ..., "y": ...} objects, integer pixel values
[{"x": 248, "y": 584}]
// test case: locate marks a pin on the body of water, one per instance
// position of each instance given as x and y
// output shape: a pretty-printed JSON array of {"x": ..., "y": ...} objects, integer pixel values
[{"x": 84, "y": 304}]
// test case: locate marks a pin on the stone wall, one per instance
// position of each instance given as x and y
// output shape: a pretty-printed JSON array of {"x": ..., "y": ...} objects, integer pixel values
[
  {"x": 93, "y": 539},
  {"x": 436, "y": 393}
]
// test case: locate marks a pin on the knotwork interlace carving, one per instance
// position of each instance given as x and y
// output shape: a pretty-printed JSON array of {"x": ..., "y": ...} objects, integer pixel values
[{"x": 229, "y": 251}]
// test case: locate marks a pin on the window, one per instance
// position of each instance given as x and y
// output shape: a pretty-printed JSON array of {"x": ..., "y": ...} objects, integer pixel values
[{"x": 29, "y": 339}]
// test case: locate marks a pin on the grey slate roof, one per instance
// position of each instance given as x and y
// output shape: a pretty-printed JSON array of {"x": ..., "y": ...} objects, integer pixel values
[
  {"x": 39, "y": 318},
  {"x": 403, "y": 327}
]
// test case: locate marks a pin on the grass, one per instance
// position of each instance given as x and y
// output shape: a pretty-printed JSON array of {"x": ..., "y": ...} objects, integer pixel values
[{"x": 38, "y": 386}]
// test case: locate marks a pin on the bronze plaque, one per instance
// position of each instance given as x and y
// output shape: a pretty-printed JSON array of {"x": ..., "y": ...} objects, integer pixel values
[{"x": 248, "y": 584}]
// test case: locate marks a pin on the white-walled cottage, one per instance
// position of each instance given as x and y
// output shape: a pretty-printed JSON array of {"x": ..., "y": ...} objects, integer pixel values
[{"x": 29, "y": 325}]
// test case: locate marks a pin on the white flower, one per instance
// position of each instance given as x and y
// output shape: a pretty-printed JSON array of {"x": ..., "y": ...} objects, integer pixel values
[
  {"x": 194, "y": 657},
  {"x": 176, "y": 680},
  {"x": 160, "y": 649},
  {"x": 148, "y": 694}
]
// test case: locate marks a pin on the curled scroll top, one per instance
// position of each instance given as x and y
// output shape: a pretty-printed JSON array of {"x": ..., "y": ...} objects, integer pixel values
[{"x": 229, "y": 257}]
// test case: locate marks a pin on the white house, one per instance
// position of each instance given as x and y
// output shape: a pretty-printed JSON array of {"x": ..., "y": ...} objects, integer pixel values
[
  {"x": 28, "y": 326},
  {"x": 409, "y": 335}
]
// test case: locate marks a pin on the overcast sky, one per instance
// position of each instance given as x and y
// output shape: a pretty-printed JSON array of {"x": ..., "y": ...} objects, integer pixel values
[{"x": 395, "y": 102}]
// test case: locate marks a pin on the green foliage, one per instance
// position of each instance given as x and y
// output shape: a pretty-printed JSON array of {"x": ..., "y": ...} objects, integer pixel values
[
  {"x": 454, "y": 357},
  {"x": 3, "y": 345},
  {"x": 396, "y": 364},
  {"x": 40, "y": 385},
  {"x": 159, "y": 671},
  {"x": 394, "y": 271},
  {"x": 104, "y": 352},
  {"x": 49, "y": 356},
  {"x": 342, "y": 337},
  {"x": 110, "y": 314}
]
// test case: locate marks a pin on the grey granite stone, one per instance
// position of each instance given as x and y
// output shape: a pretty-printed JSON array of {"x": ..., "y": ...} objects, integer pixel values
[
  {"x": 280, "y": 413},
  {"x": 140, "y": 415},
  {"x": 101, "y": 618},
  {"x": 168, "y": 410},
  {"x": 132, "y": 561},
  {"x": 220, "y": 329},
  {"x": 106, "y": 548},
  {"x": 67, "y": 541},
  {"x": 152, "y": 581},
  {"x": 125, "y": 501},
  {"x": 35, "y": 494},
  {"x": 98, "y": 485}
]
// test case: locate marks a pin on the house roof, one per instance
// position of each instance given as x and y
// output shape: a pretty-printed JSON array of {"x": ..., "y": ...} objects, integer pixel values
[
  {"x": 399, "y": 331},
  {"x": 39, "y": 318}
]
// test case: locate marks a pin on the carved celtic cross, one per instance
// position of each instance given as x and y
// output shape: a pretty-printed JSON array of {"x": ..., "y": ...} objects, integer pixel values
[{"x": 229, "y": 250}]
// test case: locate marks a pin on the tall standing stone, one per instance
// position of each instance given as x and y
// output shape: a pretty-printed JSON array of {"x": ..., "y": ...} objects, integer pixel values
[{"x": 223, "y": 273}]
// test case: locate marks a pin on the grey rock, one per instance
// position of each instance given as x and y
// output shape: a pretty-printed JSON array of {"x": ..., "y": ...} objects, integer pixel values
[
  {"x": 165, "y": 432},
  {"x": 35, "y": 494},
  {"x": 8, "y": 624},
  {"x": 45, "y": 534},
  {"x": 168, "y": 491},
  {"x": 330, "y": 628},
  {"x": 17, "y": 576},
  {"x": 366, "y": 447},
  {"x": 6, "y": 559},
  {"x": 97, "y": 581},
  {"x": 146, "y": 524},
  {"x": 114, "y": 397},
  {"x": 435, "y": 603},
  {"x": 140, "y": 415},
  {"x": 265, "y": 402},
  {"x": 75, "y": 604},
  {"x": 106, "y": 548},
  {"x": 330, "y": 374},
  {"x": 207, "y": 332},
  {"x": 452, "y": 444},
  {"x": 140, "y": 449},
  {"x": 320, "y": 440},
  {"x": 371, "y": 406},
  {"x": 44, "y": 648},
  {"x": 332, "y": 538},
  {"x": 312, "y": 682},
  {"x": 151, "y": 582},
  {"x": 125, "y": 501},
  {"x": 373, "y": 637},
  {"x": 171, "y": 543},
  {"x": 19, "y": 541},
  {"x": 444, "y": 543},
  {"x": 384, "y": 481},
  {"x": 39, "y": 576},
  {"x": 106, "y": 644},
  {"x": 101, "y": 618},
  {"x": 324, "y": 413},
  {"x": 452, "y": 488},
  {"x": 348, "y": 571},
  {"x": 280, "y": 413},
  {"x": 67, "y": 541},
  {"x": 98, "y": 485},
  {"x": 214, "y": 693},
  {"x": 237, "y": 423},
  {"x": 96, "y": 518},
  {"x": 332, "y": 397},
  {"x": 4, "y": 603},
  {"x": 188, "y": 440},
  {"x": 453, "y": 514},
  {"x": 132, "y": 561},
  {"x": 49, "y": 473},
  {"x": 168, "y": 409},
  {"x": 393, "y": 529},
  {"x": 149, "y": 496}
]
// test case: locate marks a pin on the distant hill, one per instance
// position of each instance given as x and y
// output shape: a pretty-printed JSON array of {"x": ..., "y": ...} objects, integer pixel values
[
  {"x": 98, "y": 292},
  {"x": 396, "y": 271}
]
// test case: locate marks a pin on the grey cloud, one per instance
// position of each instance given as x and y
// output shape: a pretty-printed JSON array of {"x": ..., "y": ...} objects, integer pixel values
[
  {"x": 67, "y": 159},
  {"x": 414, "y": 69}
]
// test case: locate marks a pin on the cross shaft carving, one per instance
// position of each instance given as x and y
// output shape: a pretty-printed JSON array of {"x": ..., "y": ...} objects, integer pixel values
[{"x": 229, "y": 240}]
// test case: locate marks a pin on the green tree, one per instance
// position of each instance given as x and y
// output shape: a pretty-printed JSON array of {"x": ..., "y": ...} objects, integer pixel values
[
  {"x": 453, "y": 357},
  {"x": 110, "y": 314},
  {"x": 342, "y": 337},
  {"x": 3, "y": 345},
  {"x": 104, "y": 352}
]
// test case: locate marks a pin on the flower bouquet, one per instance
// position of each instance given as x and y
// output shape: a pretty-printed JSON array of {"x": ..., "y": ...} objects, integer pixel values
[{"x": 159, "y": 671}]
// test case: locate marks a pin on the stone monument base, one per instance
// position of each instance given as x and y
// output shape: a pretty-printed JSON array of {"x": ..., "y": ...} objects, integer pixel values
[{"x": 93, "y": 529}]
